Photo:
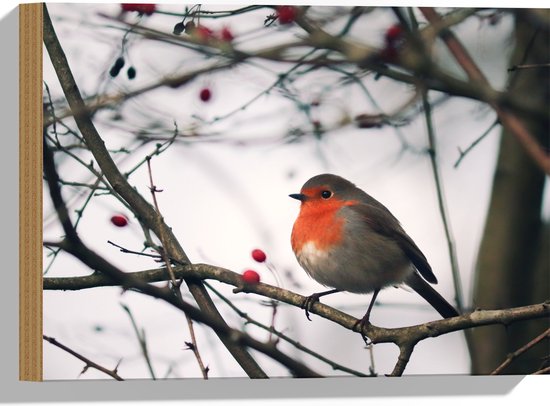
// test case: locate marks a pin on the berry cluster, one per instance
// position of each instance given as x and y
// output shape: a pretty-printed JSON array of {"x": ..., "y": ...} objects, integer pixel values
[
  {"x": 250, "y": 276},
  {"x": 202, "y": 32},
  {"x": 118, "y": 65}
]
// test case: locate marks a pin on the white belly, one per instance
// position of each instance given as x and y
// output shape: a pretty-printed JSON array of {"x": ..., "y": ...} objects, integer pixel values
[{"x": 352, "y": 271}]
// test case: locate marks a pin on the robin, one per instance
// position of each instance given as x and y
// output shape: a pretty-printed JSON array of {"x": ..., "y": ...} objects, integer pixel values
[{"x": 347, "y": 240}]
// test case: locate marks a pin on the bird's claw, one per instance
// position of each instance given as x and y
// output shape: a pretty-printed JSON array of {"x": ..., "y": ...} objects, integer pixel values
[
  {"x": 359, "y": 327},
  {"x": 308, "y": 304}
]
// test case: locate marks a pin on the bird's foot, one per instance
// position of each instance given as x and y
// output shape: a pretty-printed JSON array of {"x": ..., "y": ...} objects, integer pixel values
[
  {"x": 360, "y": 326},
  {"x": 309, "y": 302}
]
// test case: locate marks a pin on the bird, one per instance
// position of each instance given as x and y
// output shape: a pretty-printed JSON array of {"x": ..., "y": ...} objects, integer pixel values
[{"x": 347, "y": 240}]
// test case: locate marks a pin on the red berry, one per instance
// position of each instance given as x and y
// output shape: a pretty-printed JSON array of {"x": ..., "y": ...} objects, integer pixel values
[
  {"x": 226, "y": 35},
  {"x": 250, "y": 276},
  {"x": 202, "y": 33},
  {"x": 119, "y": 220},
  {"x": 141, "y": 8},
  {"x": 394, "y": 41},
  {"x": 394, "y": 33},
  {"x": 286, "y": 14},
  {"x": 258, "y": 255},
  {"x": 205, "y": 94}
]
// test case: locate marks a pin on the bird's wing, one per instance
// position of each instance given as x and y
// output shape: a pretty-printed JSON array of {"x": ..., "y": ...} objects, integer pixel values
[{"x": 381, "y": 220}]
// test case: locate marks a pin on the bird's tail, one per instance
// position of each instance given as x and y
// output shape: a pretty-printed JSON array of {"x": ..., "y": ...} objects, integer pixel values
[{"x": 424, "y": 289}]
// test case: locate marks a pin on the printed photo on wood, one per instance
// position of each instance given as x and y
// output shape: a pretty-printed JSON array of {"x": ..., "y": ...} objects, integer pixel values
[{"x": 280, "y": 191}]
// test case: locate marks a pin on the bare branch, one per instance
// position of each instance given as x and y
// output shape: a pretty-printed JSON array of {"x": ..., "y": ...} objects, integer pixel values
[
  {"x": 510, "y": 358},
  {"x": 89, "y": 363},
  {"x": 403, "y": 336},
  {"x": 142, "y": 341},
  {"x": 507, "y": 118},
  {"x": 443, "y": 211}
]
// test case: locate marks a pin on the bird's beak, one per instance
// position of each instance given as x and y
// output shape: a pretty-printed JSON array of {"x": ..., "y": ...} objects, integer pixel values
[{"x": 298, "y": 196}]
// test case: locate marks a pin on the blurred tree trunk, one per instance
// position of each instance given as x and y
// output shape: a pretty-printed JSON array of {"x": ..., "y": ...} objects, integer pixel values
[{"x": 513, "y": 264}]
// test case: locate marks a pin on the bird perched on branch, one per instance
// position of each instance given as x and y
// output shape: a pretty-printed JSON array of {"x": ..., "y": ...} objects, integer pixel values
[{"x": 349, "y": 241}]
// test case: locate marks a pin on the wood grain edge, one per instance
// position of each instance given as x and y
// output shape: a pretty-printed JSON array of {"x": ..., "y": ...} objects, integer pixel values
[{"x": 30, "y": 192}]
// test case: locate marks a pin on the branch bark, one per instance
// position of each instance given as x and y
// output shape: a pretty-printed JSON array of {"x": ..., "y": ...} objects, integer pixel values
[{"x": 404, "y": 337}]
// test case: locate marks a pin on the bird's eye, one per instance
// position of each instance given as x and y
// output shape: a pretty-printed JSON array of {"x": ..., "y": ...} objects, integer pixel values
[{"x": 325, "y": 194}]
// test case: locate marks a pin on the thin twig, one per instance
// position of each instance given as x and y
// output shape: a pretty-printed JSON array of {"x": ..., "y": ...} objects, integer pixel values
[
  {"x": 142, "y": 341},
  {"x": 473, "y": 144},
  {"x": 127, "y": 251},
  {"x": 212, "y": 14},
  {"x": 372, "y": 368},
  {"x": 166, "y": 257},
  {"x": 529, "y": 66},
  {"x": 542, "y": 371},
  {"x": 442, "y": 205},
  {"x": 89, "y": 363},
  {"x": 510, "y": 358},
  {"x": 204, "y": 369},
  {"x": 159, "y": 149}
]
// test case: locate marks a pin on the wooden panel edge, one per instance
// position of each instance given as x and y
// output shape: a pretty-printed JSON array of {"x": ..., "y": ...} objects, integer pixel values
[{"x": 30, "y": 192}]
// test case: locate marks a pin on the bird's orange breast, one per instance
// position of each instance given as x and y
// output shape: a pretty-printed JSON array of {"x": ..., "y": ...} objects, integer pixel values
[{"x": 318, "y": 223}]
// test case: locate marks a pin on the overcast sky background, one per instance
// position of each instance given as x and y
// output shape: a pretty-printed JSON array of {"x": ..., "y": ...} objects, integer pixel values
[{"x": 222, "y": 199}]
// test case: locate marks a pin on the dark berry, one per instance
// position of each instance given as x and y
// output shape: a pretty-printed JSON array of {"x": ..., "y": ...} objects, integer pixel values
[
  {"x": 131, "y": 72},
  {"x": 114, "y": 71},
  {"x": 179, "y": 28},
  {"x": 119, "y": 63},
  {"x": 117, "y": 66}
]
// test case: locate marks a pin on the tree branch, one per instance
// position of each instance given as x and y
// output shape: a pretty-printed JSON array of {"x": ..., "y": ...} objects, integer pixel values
[
  {"x": 402, "y": 336},
  {"x": 476, "y": 76},
  {"x": 142, "y": 208}
]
